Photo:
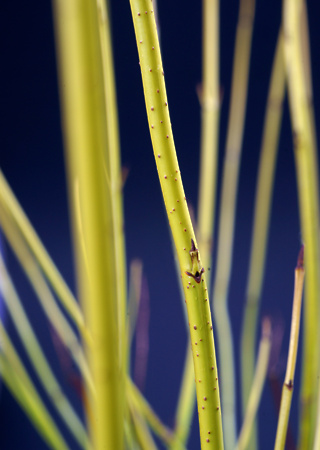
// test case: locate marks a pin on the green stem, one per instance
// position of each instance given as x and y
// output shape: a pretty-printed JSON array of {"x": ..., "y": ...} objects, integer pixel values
[
  {"x": 46, "y": 299},
  {"x": 227, "y": 216},
  {"x": 308, "y": 189},
  {"x": 21, "y": 387},
  {"x": 171, "y": 184},
  {"x": 9, "y": 201},
  {"x": 87, "y": 153},
  {"x": 210, "y": 107},
  {"x": 263, "y": 203},
  {"x": 257, "y": 385},
  {"x": 114, "y": 177},
  {"x": 38, "y": 359},
  {"x": 141, "y": 405},
  {"x": 186, "y": 402},
  {"x": 287, "y": 390}
]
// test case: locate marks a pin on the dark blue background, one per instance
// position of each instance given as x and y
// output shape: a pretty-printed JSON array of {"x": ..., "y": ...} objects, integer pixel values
[{"x": 32, "y": 160}]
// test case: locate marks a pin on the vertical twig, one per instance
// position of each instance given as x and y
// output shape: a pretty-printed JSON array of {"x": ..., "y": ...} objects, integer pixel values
[
  {"x": 88, "y": 160},
  {"x": 227, "y": 216},
  {"x": 263, "y": 202},
  {"x": 308, "y": 195},
  {"x": 257, "y": 385},
  {"x": 210, "y": 108},
  {"x": 191, "y": 268},
  {"x": 287, "y": 389}
]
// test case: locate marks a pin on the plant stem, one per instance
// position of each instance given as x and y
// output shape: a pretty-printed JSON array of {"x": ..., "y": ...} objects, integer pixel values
[
  {"x": 9, "y": 201},
  {"x": 46, "y": 299},
  {"x": 114, "y": 175},
  {"x": 21, "y": 387},
  {"x": 186, "y": 402},
  {"x": 87, "y": 148},
  {"x": 193, "y": 280},
  {"x": 261, "y": 221},
  {"x": 38, "y": 359},
  {"x": 210, "y": 107},
  {"x": 227, "y": 216},
  {"x": 287, "y": 389},
  {"x": 308, "y": 188},
  {"x": 257, "y": 385},
  {"x": 141, "y": 405}
]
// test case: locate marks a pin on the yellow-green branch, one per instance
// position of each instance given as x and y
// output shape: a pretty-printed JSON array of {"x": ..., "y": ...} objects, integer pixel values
[
  {"x": 227, "y": 216},
  {"x": 263, "y": 203},
  {"x": 86, "y": 140},
  {"x": 287, "y": 390},
  {"x": 308, "y": 195},
  {"x": 193, "y": 280},
  {"x": 257, "y": 385},
  {"x": 210, "y": 107},
  {"x": 9, "y": 201}
]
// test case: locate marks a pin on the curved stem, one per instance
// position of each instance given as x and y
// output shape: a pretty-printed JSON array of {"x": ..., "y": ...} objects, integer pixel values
[{"x": 191, "y": 269}]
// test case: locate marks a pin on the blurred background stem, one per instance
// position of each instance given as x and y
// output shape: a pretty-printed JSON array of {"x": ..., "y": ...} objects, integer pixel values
[
  {"x": 261, "y": 222},
  {"x": 308, "y": 195},
  {"x": 87, "y": 145},
  {"x": 227, "y": 217}
]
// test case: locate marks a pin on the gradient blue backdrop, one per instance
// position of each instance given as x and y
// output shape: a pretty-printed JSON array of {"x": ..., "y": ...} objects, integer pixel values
[{"x": 31, "y": 157}]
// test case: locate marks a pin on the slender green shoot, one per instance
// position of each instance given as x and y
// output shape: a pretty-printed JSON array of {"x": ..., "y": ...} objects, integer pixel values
[
  {"x": 308, "y": 195},
  {"x": 21, "y": 387},
  {"x": 210, "y": 108},
  {"x": 263, "y": 202},
  {"x": 257, "y": 385},
  {"x": 186, "y": 402},
  {"x": 306, "y": 55},
  {"x": 227, "y": 216},
  {"x": 38, "y": 359},
  {"x": 47, "y": 301},
  {"x": 114, "y": 177},
  {"x": 287, "y": 389},
  {"x": 316, "y": 444},
  {"x": 84, "y": 118},
  {"x": 141, "y": 405},
  {"x": 142, "y": 432},
  {"x": 9, "y": 201},
  {"x": 191, "y": 269},
  {"x": 135, "y": 282}
]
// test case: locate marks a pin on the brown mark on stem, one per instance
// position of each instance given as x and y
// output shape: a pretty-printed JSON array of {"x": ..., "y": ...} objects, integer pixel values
[
  {"x": 197, "y": 270},
  {"x": 289, "y": 385}
]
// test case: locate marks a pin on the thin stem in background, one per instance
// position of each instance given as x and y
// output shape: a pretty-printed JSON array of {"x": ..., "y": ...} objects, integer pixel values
[
  {"x": 191, "y": 269},
  {"x": 142, "y": 337},
  {"x": 39, "y": 360},
  {"x": 287, "y": 389},
  {"x": 58, "y": 284},
  {"x": 114, "y": 176},
  {"x": 227, "y": 217},
  {"x": 134, "y": 297},
  {"x": 186, "y": 402},
  {"x": 18, "y": 382},
  {"x": 43, "y": 293},
  {"x": 210, "y": 108},
  {"x": 143, "y": 435},
  {"x": 141, "y": 405},
  {"x": 306, "y": 55},
  {"x": 257, "y": 385},
  {"x": 262, "y": 211},
  {"x": 308, "y": 189},
  {"x": 84, "y": 118}
]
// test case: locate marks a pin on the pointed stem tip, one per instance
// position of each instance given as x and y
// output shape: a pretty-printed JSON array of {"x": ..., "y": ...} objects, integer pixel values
[{"x": 300, "y": 262}]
